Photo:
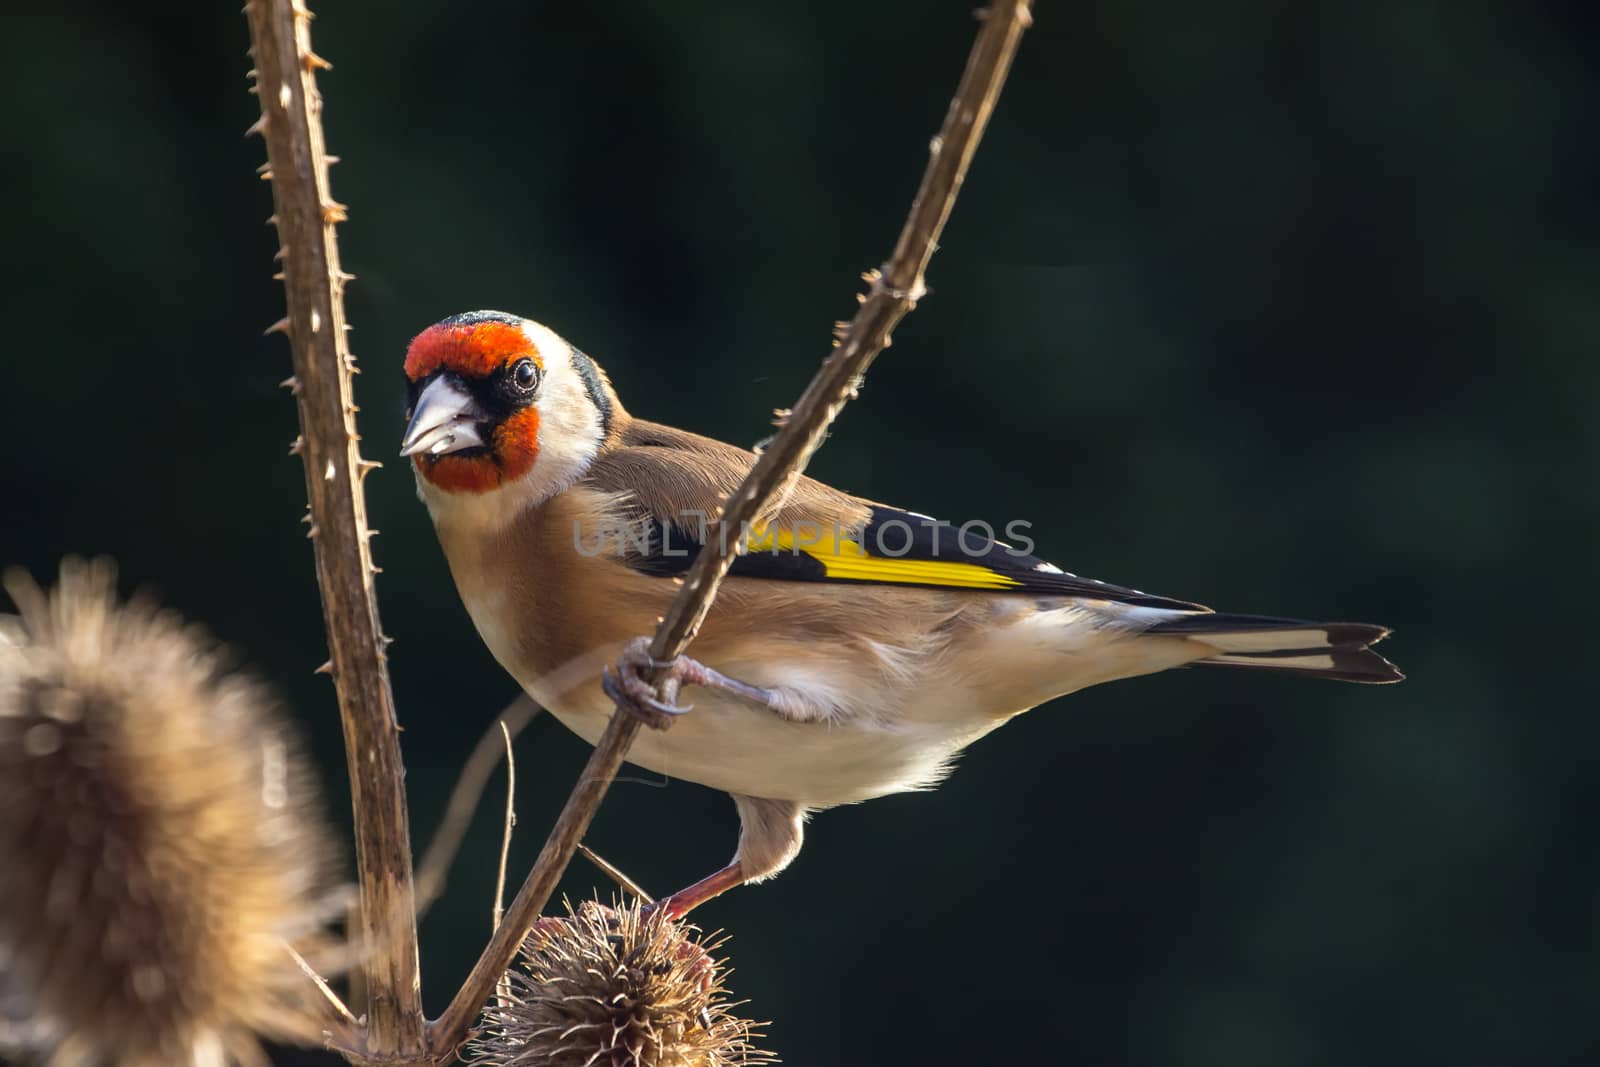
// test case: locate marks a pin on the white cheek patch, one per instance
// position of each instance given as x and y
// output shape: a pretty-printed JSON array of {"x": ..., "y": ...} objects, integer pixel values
[{"x": 569, "y": 422}]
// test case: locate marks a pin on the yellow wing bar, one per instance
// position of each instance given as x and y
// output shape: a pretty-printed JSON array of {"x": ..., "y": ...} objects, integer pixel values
[{"x": 844, "y": 559}]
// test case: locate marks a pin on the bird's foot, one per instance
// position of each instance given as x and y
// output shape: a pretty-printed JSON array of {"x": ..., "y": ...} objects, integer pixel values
[
  {"x": 657, "y": 704},
  {"x": 654, "y": 704}
]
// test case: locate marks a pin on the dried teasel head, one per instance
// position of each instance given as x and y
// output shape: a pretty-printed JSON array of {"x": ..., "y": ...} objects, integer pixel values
[
  {"x": 159, "y": 839},
  {"x": 616, "y": 987}
]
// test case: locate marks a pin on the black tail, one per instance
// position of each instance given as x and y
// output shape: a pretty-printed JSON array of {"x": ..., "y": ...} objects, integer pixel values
[{"x": 1338, "y": 650}]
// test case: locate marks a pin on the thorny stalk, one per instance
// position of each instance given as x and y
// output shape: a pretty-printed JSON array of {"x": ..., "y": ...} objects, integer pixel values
[
  {"x": 305, "y": 214},
  {"x": 892, "y": 292}
]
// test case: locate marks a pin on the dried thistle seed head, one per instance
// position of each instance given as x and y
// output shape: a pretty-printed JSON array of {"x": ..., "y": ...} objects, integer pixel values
[
  {"x": 159, "y": 838},
  {"x": 616, "y": 987}
]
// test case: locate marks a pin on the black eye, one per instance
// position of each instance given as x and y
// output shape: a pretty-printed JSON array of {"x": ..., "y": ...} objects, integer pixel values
[{"x": 525, "y": 374}]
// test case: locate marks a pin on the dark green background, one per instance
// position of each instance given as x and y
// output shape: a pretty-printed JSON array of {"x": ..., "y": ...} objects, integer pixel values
[{"x": 1282, "y": 307}]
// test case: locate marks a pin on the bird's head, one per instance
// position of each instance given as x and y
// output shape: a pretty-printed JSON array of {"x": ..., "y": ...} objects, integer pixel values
[{"x": 501, "y": 409}]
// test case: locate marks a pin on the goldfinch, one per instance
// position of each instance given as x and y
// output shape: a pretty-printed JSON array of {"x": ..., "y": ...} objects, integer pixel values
[{"x": 854, "y": 650}]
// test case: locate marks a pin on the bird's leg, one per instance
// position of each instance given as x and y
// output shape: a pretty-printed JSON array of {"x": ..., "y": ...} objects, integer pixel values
[
  {"x": 770, "y": 835},
  {"x": 686, "y": 900},
  {"x": 657, "y": 704}
]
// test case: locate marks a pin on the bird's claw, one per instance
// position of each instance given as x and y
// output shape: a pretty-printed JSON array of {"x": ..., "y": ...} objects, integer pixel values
[
  {"x": 653, "y": 706},
  {"x": 656, "y": 704}
]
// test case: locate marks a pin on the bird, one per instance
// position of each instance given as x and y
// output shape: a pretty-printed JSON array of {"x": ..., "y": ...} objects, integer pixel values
[{"x": 854, "y": 650}]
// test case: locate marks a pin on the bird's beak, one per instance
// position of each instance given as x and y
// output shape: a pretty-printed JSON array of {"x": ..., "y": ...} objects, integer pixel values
[{"x": 446, "y": 419}]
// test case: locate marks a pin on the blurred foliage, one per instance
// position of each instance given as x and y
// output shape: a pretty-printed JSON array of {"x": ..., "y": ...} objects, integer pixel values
[{"x": 1282, "y": 307}]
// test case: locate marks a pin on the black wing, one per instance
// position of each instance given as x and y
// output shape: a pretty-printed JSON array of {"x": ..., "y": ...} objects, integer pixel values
[{"x": 891, "y": 547}]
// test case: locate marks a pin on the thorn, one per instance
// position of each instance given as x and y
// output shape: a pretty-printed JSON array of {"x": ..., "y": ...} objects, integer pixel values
[
  {"x": 331, "y": 160},
  {"x": 265, "y": 171},
  {"x": 365, "y": 467},
  {"x": 307, "y": 516},
  {"x": 376, "y": 569},
  {"x": 371, "y": 533},
  {"x": 292, "y": 384},
  {"x": 285, "y": 96},
  {"x": 384, "y": 640},
  {"x": 311, "y": 61},
  {"x": 278, "y": 277},
  {"x": 281, "y": 326},
  {"x": 334, "y": 212},
  {"x": 277, "y": 257},
  {"x": 326, "y": 668},
  {"x": 841, "y": 328},
  {"x": 272, "y": 219},
  {"x": 871, "y": 276},
  {"x": 328, "y": 472},
  {"x": 297, "y": 446},
  {"x": 344, "y": 276},
  {"x": 316, "y": 320},
  {"x": 780, "y": 417},
  {"x": 312, "y": 533},
  {"x": 252, "y": 73},
  {"x": 258, "y": 127},
  {"x": 861, "y": 298}
]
